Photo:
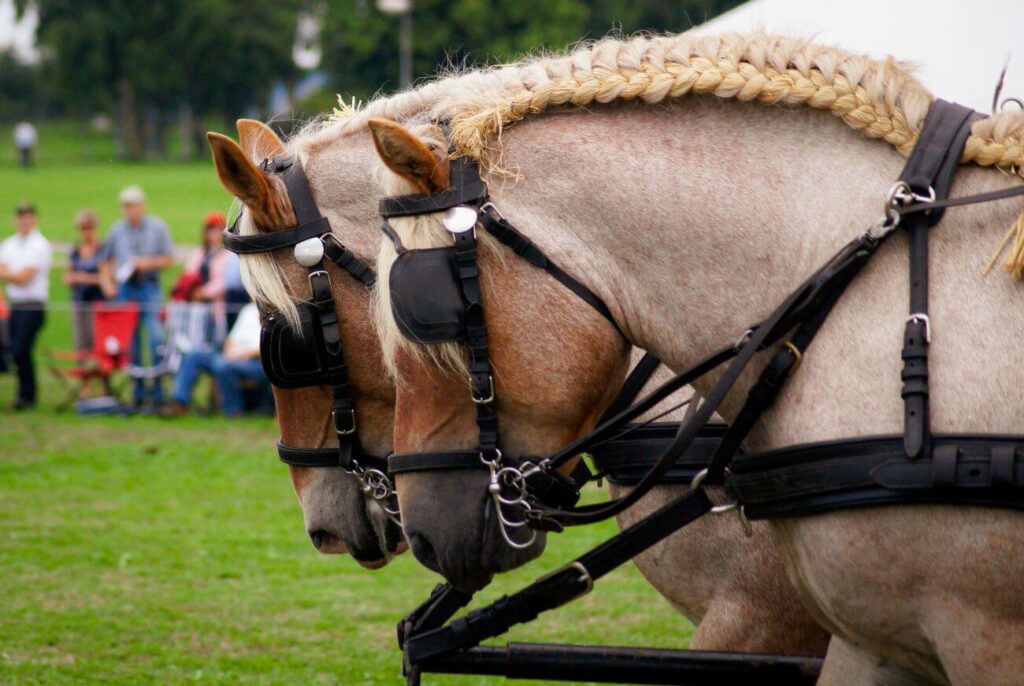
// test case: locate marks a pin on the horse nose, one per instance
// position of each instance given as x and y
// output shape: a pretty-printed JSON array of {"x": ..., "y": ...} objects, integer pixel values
[
  {"x": 423, "y": 550},
  {"x": 317, "y": 537}
]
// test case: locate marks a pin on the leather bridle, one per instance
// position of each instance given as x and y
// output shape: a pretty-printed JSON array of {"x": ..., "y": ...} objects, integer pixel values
[{"x": 314, "y": 244}]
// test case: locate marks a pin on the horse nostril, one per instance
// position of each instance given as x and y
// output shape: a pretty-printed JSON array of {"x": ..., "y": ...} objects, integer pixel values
[
  {"x": 317, "y": 537},
  {"x": 423, "y": 550}
]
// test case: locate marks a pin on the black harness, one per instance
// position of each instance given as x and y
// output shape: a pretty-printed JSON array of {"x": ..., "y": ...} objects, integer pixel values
[
  {"x": 917, "y": 467},
  {"x": 313, "y": 355}
]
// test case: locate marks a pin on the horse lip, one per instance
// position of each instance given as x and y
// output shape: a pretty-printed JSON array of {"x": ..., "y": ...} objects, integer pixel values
[{"x": 372, "y": 564}]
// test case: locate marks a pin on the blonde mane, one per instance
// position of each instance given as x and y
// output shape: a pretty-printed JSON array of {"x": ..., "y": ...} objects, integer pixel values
[{"x": 881, "y": 99}]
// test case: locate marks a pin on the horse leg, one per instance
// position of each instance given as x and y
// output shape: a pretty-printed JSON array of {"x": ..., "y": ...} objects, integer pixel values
[{"x": 848, "y": 665}]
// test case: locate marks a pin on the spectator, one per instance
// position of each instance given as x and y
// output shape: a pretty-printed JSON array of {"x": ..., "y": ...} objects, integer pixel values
[
  {"x": 205, "y": 271},
  {"x": 25, "y": 260},
  {"x": 236, "y": 296},
  {"x": 137, "y": 248},
  {"x": 25, "y": 139},
  {"x": 5, "y": 332},
  {"x": 239, "y": 361},
  {"x": 83, "y": 275}
]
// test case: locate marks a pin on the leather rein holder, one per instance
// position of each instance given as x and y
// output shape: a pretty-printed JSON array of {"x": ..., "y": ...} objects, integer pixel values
[{"x": 312, "y": 226}]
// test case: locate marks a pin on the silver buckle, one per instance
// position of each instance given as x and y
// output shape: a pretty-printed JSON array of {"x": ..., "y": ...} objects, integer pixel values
[
  {"x": 488, "y": 399},
  {"x": 344, "y": 432},
  {"x": 923, "y": 319}
]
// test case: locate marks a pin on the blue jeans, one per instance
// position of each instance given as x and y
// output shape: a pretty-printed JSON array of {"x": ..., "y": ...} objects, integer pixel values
[
  {"x": 228, "y": 375},
  {"x": 149, "y": 298}
]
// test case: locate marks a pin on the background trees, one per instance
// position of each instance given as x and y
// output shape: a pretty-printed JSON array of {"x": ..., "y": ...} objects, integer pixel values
[{"x": 153, "y": 65}]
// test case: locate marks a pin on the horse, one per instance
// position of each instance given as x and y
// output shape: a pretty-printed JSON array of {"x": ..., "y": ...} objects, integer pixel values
[
  {"x": 338, "y": 516},
  {"x": 738, "y": 594},
  {"x": 691, "y": 220}
]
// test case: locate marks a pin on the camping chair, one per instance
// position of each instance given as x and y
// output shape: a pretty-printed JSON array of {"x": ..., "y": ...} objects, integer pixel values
[
  {"x": 113, "y": 326},
  {"x": 188, "y": 326}
]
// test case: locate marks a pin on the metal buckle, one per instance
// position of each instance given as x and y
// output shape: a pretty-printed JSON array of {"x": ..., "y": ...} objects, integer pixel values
[
  {"x": 347, "y": 431},
  {"x": 489, "y": 206},
  {"x": 923, "y": 319},
  {"x": 742, "y": 340},
  {"x": 483, "y": 401},
  {"x": 578, "y": 566},
  {"x": 799, "y": 356}
]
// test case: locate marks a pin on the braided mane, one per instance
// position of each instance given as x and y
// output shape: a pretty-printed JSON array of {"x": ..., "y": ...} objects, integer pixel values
[{"x": 879, "y": 98}]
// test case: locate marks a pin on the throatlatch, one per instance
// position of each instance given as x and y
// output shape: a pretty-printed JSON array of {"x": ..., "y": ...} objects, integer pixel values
[{"x": 313, "y": 355}]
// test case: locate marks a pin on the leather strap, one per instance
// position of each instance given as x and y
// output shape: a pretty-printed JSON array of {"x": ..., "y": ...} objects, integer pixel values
[
  {"x": 525, "y": 248},
  {"x": 467, "y": 189},
  {"x": 327, "y": 457},
  {"x": 929, "y": 169},
  {"x": 626, "y": 460},
  {"x": 818, "y": 477},
  {"x": 631, "y": 387},
  {"x": 559, "y": 587},
  {"x": 275, "y": 240}
]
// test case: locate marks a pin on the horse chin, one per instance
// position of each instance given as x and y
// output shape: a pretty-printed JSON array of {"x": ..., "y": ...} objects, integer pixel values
[
  {"x": 456, "y": 534},
  {"x": 340, "y": 519}
]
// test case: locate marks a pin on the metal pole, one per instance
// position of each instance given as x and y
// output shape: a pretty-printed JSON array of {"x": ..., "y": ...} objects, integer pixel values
[
  {"x": 622, "y": 665},
  {"x": 405, "y": 48}
]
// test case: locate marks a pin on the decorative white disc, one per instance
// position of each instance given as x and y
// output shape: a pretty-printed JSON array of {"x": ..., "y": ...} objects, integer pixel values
[
  {"x": 309, "y": 252},
  {"x": 460, "y": 218}
]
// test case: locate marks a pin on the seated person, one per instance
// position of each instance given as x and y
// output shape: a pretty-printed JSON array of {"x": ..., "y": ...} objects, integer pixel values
[{"x": 239, "y": 361}]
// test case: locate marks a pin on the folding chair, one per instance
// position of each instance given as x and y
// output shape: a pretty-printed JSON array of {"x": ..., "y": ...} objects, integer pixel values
[{"x": 113, "y": 326}]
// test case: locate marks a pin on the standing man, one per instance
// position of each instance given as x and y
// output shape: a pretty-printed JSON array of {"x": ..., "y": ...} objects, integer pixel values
[
  {"x": 25, "y": 260},
  {"x": 25, "y": 139},
  {"x": 137, "y": 249}
]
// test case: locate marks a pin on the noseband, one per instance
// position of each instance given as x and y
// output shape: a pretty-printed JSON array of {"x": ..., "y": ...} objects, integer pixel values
[{"x": 313, "y": 355}]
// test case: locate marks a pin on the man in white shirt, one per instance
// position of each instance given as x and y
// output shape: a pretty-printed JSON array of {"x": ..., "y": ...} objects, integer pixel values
[
  {"x": 25, "y": 260},
  {"x": 240, "y": 361},
  {"x": 25, "y": 139}
]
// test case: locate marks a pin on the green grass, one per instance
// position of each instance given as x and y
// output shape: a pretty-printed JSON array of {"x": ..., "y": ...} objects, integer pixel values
[
  {"x": 145, "y": 551},
  {"x": 76, "y": 169},
  {"x": 140, "y": 551}
]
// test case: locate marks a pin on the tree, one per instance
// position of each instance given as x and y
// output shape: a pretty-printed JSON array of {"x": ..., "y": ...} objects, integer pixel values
[
  {"x": 142, "y": 59},
  {"x": 360, "y": 43}
]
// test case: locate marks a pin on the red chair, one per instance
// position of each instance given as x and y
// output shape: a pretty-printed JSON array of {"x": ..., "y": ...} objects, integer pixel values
[{"x": 113, "y": 326}]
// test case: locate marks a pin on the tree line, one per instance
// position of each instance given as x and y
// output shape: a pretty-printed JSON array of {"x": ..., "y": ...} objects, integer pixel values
[{"x": 152, "y": 66}]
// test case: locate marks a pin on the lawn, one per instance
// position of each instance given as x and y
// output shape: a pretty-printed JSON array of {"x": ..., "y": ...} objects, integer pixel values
[
  {"x": 75, "y": 169},
  {"x": 138, "y": 550}
]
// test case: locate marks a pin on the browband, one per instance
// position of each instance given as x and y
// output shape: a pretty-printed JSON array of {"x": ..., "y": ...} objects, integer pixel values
[
  {"x": 467, "y": 188},
  {"x": 268, "y": 242}
]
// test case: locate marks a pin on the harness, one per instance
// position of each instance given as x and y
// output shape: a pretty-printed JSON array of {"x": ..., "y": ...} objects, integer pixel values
[
  {"x": 313, "y": 355},
  {"x": 915, "y": 467}
]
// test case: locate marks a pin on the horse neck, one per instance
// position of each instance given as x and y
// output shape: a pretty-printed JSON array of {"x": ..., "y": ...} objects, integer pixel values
[
  {"x": 341, "y": 177},
  {"x": 692, "y": 222}
]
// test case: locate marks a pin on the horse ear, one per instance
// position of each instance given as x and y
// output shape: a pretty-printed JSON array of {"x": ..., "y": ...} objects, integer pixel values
[
  {"x": 238, "y": 174},
  {"x": 409, "y": 157},
  {"x": 259, "y": 140}
]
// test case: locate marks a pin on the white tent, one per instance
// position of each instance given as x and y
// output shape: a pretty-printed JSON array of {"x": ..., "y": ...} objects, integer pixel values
[{"x": 959, "y": 47}]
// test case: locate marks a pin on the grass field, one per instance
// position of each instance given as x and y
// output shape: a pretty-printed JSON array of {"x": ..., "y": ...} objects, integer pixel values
[
  {"x": 75, "y": 169},
  {"x": 140, "y": 551}
]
